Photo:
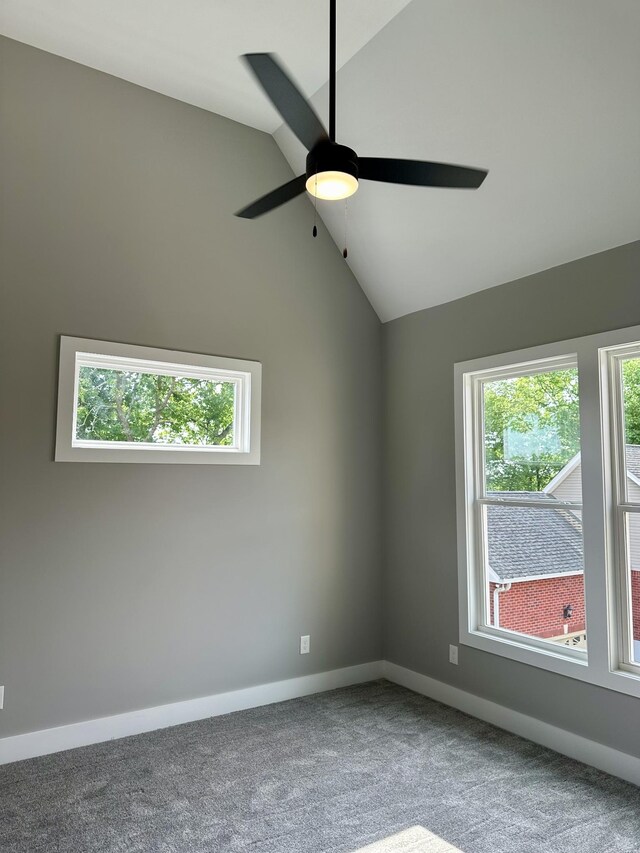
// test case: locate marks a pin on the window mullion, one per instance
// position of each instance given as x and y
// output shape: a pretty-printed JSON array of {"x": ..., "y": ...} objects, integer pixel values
[{"x": 597, "y": 587}]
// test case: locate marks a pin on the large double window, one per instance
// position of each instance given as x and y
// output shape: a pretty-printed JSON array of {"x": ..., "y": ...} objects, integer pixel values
[{"x": 548, "y": 460}]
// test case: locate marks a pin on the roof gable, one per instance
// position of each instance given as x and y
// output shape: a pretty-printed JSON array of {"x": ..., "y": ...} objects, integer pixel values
[{"x": 633, "y": 468}]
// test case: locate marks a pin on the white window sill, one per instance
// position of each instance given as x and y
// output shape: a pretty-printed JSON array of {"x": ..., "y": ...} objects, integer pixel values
[{"x": 572, "y": 663}]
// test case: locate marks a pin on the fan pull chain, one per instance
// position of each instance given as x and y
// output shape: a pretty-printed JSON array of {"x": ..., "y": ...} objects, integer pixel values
[
  {"x": 315, "y": 210},
  {"x": 344, "y": 251}
]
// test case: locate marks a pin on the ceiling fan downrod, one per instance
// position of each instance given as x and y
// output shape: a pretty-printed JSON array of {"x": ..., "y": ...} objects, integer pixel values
[{"x": 332, "y": 70}]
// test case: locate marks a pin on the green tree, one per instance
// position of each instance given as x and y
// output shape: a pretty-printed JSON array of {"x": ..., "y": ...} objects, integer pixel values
[
  {"x": 631, "y": 389},
  {"x": 532, "y": 426},
  {"x": 532, "y": 429},
  {"x": 120, "y": 405}
]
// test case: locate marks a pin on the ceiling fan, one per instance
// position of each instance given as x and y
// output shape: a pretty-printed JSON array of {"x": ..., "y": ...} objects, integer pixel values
[{"x": 333, "y": 170}]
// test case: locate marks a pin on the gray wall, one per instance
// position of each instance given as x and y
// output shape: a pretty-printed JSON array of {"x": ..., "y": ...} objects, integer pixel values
[
  {"x": 591, "y": 295},
  {"x": 125, "y": 586}
]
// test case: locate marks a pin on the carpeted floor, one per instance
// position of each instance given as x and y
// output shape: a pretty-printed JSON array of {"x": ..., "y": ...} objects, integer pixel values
[{"x": 331, "y": 772}]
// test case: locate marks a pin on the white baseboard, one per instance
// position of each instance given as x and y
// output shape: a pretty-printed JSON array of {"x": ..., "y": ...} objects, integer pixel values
[
  {"x": 46, "y": 741},
  {"x": 575, "y": 746}
]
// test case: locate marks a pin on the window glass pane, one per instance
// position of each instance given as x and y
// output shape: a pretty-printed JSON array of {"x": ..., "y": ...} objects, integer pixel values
[
  {"x": 631, "y": 401},
  {"x": 535, "y": 573},
  {"x": 632, "y": 530},
  {"x": 532, "y": 434},
  {"x": 127, "y": 406}
]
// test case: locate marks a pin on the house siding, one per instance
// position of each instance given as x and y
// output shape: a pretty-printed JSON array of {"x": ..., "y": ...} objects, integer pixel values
[{"x": 570, "y": 489}]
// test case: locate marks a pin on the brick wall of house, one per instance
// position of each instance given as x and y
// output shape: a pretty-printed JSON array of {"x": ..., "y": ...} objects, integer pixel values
[{"x": 535, "y": 607}]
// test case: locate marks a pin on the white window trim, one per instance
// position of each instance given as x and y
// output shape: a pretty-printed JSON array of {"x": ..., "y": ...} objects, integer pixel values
[
  {"x": 618, "y": 503},
  {"x": 79, "y": 352},
  {"x": 601, "y": 569}
]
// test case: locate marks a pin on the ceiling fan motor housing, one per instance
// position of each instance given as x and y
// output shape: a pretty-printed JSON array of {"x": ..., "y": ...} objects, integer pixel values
[{"x": 328, "y": 156}]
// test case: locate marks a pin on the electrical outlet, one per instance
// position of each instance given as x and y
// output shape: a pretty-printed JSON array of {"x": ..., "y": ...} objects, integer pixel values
[
  {"x": 453, "y": 655},
  {"x": 305, "y": 644},
  {"x": 1, "y": 698}
]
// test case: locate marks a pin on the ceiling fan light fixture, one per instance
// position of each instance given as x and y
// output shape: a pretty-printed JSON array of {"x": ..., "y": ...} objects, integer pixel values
[
  {"x": 332, "y": 185},
  {"x": 332, "y": 171}
]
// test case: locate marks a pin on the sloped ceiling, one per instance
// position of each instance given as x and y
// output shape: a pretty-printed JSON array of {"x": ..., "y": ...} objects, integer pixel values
[
  {"x": 189, "y": 49},
  {"x": 544, "y": 94}
]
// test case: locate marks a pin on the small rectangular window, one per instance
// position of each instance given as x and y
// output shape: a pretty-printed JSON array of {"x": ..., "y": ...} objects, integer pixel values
[
  {"x": 523, "y": 458},
  {"x": 120, "y": 403}
]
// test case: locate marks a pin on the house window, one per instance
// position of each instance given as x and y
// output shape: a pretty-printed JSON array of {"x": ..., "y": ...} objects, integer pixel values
[
  {"x": 121, "y": 403},
  {"x": 548, "y": 497},
  {"x": 526, "y": 503},
  {"x": 622, "y": 371}
]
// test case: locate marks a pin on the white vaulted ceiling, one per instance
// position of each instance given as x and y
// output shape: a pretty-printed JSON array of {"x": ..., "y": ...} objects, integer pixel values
[
  {"x": 543, "y": 93},
  {"x": 189, "y": 49}
]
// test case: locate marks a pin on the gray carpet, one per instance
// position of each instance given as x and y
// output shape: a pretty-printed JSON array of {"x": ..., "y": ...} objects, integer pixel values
[{"x": 331, "y": 772}]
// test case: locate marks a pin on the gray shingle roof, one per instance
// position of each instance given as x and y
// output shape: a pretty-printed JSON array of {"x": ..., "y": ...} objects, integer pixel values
[{"x": 526, "y": 543}]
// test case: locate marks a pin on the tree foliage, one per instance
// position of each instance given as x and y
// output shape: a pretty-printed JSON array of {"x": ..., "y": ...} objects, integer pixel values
[
  {"x": 120, "y": 405},
  {"x": 531, "y": 429},
  {"x": 631, "y": 389},
  {"x": 532, "y": 426}
]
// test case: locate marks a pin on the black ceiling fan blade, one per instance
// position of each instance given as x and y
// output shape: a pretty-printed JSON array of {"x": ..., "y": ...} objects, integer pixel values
[
  {"x": 274, "y": 199},
  {"x": 287, "y": 98},
  {"x": 420, "y": 173}
]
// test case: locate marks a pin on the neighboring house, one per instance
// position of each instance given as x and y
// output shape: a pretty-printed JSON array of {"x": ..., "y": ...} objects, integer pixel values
[{"x": 535, "y": 560}]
